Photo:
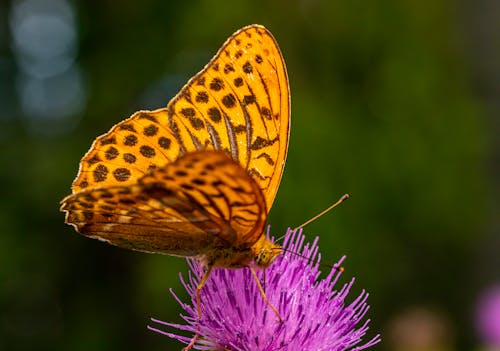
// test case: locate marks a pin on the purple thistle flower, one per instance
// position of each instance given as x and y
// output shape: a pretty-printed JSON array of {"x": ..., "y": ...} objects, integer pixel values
[
  {"x": 488, "y": 316},
  {"x": 235, "y": 317}
]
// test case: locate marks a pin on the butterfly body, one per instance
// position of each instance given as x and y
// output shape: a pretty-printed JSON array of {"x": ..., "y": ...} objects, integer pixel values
[{"x": 261, "y": 254}]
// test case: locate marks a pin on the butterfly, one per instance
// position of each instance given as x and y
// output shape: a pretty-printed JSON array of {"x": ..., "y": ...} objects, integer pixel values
[{"x": 198, "y": 177}]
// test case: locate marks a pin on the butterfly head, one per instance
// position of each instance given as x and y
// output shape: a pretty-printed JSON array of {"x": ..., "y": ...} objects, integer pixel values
[{"x": 265, "y": 252}]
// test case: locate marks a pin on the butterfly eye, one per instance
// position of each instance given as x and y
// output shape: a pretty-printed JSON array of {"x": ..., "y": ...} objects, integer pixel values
[
  {"x": 266, "y": 255},
  {"x": 261, "y": 258}
]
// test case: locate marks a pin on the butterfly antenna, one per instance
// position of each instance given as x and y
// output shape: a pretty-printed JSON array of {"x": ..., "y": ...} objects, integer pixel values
[
  {"x": 336, "y": 266},
  {"x": 342, "y": 199}
]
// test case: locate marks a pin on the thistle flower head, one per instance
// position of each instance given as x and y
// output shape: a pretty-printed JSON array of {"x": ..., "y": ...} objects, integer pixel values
[{"x": 235, "y": 316}]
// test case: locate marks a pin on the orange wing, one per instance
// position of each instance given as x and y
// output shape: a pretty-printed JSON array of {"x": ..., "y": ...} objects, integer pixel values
[
  {"x": 239, "y": 103},
  {"x": 202, "y": 201}
]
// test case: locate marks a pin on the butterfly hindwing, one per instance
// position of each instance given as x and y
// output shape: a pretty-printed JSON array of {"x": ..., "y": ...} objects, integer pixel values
[{"x": 201, "y": 201}]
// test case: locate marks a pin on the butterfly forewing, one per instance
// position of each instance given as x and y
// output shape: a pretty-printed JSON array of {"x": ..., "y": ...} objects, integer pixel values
[{"x": 239, "y": 103}]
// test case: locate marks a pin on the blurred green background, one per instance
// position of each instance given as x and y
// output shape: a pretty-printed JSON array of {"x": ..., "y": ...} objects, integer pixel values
[{"x": 394, "y": 102}]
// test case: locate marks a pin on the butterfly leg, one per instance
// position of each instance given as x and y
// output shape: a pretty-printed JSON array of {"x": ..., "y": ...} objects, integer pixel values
[
  {"x": 198, "y": 290},
  {"x": 264, "y": 297},
  {"x": 198, "y": 307}
]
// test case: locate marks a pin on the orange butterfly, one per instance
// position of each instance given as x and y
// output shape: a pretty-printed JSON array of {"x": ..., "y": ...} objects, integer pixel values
[{"x": 198, "y": 177}]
